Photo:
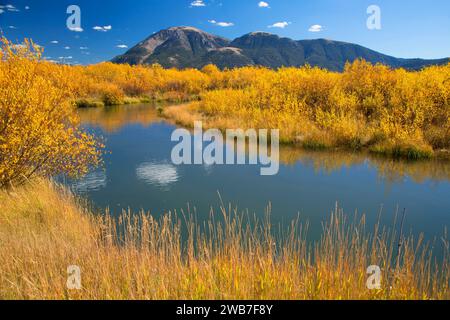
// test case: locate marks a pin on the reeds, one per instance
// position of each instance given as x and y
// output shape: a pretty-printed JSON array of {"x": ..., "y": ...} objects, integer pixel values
[{"x": 43, "y": 230}]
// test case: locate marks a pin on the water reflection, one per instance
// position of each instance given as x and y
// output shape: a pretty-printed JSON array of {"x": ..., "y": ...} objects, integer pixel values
[
  {"x": 139, "y": 175},
  {"x": 113, "y": 119},
  {"x": 388, "y": 170},
  {"x": 93, "y": 181},
  {"x": 160, "y": 175}
]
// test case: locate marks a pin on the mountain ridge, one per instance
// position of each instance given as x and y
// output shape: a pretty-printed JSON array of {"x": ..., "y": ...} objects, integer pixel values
[{"x": 189, "y": 47}]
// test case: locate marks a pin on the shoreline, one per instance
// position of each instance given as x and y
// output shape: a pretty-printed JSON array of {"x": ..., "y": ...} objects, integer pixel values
[{"x": 184, "y": 115}]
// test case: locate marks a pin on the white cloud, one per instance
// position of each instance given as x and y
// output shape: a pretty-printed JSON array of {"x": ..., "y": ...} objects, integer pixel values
[
  {"x": 122, "y": 46},
  {"x": 84, "y": 48},
  {"x": 12, "y": 27},
  {"x": 315, "y": 28},
  {"x": 67, "y": 48},
  {"x": 225, "y": 24},
  {"x": 263, "y": 4},
  {"x": 27, "y": 8},
  {"x": 221, "y": 24},
  {"x": 54, "y": 42},
  {"x": 102, "y": 29},
  {"x": 198, "y": 3},
  {"x": 8, "y": 7},
  {"x": 281, "y": 25}
]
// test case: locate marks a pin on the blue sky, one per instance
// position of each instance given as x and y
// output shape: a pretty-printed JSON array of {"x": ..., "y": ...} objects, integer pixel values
[{"x": 409, "y": 28}]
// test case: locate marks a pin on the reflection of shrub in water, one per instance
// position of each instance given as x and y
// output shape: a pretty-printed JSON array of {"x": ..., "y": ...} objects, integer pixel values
[
  {"x": 112, "y": 119},
  {"x": 389, "y": 169}
]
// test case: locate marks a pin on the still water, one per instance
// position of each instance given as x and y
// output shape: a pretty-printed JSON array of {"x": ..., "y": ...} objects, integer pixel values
[{"x": 138, "y": 174}]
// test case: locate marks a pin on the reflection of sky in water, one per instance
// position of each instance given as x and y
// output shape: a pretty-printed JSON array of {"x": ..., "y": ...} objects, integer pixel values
[
  {"x": 161, "y": 175},
  {"x": 93, "y": 181},
  {"x": 140, "y": 175}
]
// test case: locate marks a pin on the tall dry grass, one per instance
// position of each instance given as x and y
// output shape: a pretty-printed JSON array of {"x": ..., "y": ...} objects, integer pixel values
[{"x": 44, "y": 229}]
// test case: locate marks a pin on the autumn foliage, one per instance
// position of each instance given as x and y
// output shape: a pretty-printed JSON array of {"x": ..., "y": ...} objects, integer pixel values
[
  {"x": 376, "y": 108},
  {"x": 391, "y": 111},
  {"x": 400, "y": 113},
  {"x": 39, "y": 132}
]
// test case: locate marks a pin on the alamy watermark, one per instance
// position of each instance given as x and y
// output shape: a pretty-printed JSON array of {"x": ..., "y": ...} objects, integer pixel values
[
  {"x": 237, "y": 147},
  {"x": 374, "y": 20},
  {"x": 374, "y": 280},
  {"x": 73, "y": 278},
  {"x": 73, "y": 22}
]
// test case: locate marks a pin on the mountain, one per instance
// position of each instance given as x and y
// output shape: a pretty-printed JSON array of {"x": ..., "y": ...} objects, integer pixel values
[
  {"x": 188, "y": 47},
  {"x": 174, "y": 47}
]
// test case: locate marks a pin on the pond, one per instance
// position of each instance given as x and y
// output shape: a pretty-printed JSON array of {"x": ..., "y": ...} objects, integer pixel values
[{"x": 138, "y": 174}]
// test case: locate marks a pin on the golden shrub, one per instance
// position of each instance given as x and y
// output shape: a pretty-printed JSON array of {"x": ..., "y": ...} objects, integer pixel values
[
  {"x": 390, "y": 111},
  {"x": 39, "y": 132}
]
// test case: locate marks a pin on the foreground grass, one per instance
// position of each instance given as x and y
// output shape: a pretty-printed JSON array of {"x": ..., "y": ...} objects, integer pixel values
[{"x": 43, "y": 230}]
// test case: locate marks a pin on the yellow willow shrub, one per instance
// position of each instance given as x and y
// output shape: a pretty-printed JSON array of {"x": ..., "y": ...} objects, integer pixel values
[
  {"x": 39, "y": 131},
  {"x": 107, "y": 72},
  {"x": 240, "y": 78},
  {"x": 402, "y": 104},
  {"x": 111, "y": 94},
  {"x": 316, "y": 86},
  {"x": 386, "y": 110},
  {"x": 216, "y": 76},
  {"x": 189, "y": 81},
  {"x": 345, "y": 130},
  {"x": 139, "y": 81},
  {"x": 434, "y": 83},
  {"x": 145, "y": 80},
  {"x": 133, "y": 81}
]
